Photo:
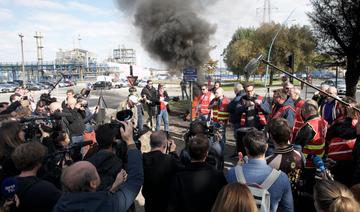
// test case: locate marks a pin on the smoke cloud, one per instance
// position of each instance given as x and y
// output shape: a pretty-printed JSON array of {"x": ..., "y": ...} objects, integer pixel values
[{"x": 172, "y": 30}]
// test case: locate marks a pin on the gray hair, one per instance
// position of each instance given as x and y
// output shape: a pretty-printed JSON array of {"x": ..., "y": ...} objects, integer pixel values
[{"x": 238, "y": 86}]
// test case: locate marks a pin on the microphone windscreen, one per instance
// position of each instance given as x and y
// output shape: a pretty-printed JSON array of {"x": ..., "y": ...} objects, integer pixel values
[{"x": 9, "y": 187}]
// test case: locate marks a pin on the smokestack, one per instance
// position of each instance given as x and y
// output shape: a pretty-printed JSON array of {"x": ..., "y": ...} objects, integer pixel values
[{"x": 172, "y": 30}]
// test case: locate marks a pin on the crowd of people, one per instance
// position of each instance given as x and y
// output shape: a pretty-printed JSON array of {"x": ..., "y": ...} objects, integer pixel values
[{"x": 293, "y": 154}]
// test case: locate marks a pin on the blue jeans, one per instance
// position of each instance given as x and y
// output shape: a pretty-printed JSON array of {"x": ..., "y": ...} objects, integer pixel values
[{"x": 165, "y": 117}]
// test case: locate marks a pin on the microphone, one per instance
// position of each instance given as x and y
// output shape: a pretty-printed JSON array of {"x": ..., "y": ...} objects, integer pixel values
[
  {"x": 80, "y": 144},
  {"x": 319, "y": 163},
  {"x": 9, "y": 187}
]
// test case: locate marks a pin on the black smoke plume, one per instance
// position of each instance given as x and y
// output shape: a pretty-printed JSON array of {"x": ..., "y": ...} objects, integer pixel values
[{"x": 172, "y": 30}]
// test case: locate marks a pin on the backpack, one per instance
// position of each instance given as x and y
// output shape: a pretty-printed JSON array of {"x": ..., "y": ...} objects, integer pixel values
[{"x": 260, "y": 193}]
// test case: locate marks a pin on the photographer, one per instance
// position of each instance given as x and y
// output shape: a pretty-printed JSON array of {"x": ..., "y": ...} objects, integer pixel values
[
  {"x": 89, "y": 133},
  {"x": 81, "y": 180},
  {"x": 76, "y": 124},
  {"x": 34, "y": 194},
  {"x": 159, "y": 168},
  {"x": 107, "y": 164}
]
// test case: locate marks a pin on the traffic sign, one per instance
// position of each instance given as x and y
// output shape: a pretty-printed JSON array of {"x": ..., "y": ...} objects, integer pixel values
[{"x": 190, "y": 74}]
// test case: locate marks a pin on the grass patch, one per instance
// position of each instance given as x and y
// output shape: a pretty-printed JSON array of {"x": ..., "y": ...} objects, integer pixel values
[{"x": 179, "y": 106}]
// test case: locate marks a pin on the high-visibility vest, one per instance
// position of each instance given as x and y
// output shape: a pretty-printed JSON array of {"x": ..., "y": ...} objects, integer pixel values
[
  {"x": 260, "y": 114},
  {"x": 298, "y": 118},
  {"x": 316, "y": 146},
  {"x": 279, "y": 113},
  {"x": 220, "y": 113},
  {"x": 341, "y": 149},
  {"x": 203, "y": 107}
]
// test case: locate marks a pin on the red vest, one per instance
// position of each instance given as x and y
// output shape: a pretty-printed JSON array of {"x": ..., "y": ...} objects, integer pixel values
[
  {"x": 279, "y": 113},
  {"x": 341, "y": 149},
  {"x": 262, "y": 118},
  {"x": 204, "y": 103},
  {"x": 298, "y": 119},
  {"x": 316, "y": 146},
  {"x": 220, "y": 113}
]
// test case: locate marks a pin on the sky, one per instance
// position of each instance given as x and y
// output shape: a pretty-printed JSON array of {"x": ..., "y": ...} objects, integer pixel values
[{"x": 102, "y": 26}]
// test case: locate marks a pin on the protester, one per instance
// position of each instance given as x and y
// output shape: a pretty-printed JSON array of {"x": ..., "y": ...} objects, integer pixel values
[
  {"x": 196, "y": 187},
  {"x": 202, "y": 109},
  {"x": 340, "y": 141},
  {"x": 282, "y": 107},
  {"x": 333, "y": 196},
  {"x": 235, "y": 197},
  {"x": 219, "y": 114},
  {"x": 285, "y": 158},
  {"x": 320, "y": 97},
  {"x": 140, "y": 109},
  {"x": 329, "y": 108},
  {"x": 298, "y": 103},
  {"x": 311, "y": 139},
  {"x": 148, "y": 95},
  {"x": 34, "y": 194},
  {"x": 252, "y": 110},
  {"x": 162, "y": 102},
  {"x": 217, "y": 85},
  {"x": 80, "y": 182},
  {"x": 183, "y": 85},
  {"x": 256, "y": 171},
  {"x": 159, "y": 168}
]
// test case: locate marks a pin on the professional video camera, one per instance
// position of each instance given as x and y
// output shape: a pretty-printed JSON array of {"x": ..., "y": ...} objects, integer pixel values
[
  {"x": 32, "y": 124},
  {"x": 121, "y": 147},
  {"x": 46, "y": 97}
]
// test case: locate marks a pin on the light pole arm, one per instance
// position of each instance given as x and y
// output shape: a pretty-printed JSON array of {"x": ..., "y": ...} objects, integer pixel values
[{"x": 272, "y": 43}]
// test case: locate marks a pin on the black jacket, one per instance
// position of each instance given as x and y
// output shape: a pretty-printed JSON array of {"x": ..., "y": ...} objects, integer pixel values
[
  {"x": 108, "y": 166},
  {"x": 156, "y": 101},
  {"x": 159, "y": 169},
  {"x": 36, "y": 194},
  {"x": 149, "y": 93},
  {"x": 195, "y": 188},
  {"x": 76, "y": 121},
  {"x": 120, "y": 201}
]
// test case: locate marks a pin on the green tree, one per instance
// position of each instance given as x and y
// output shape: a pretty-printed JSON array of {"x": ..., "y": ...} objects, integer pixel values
[
  {"x": 337, "y": 28},
  {"x": 249, "y": 42}
]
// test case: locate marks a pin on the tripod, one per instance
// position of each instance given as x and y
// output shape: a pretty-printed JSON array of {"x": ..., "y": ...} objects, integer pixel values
[{"x": 100, "y": 118}]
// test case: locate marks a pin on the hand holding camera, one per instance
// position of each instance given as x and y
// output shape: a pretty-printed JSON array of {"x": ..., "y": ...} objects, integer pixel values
[{"x": 127, "y": 132}]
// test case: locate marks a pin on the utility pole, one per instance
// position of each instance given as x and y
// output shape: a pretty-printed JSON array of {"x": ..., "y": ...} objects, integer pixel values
[
  {"x": 79, "y": 59},
  {"x": 39, "y": 47},
  {"x": 22, "y": 60}
]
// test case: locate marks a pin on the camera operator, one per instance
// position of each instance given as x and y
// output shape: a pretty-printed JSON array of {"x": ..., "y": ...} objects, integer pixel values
[
  {"x": 130, "y": 104},
  {"x": 76, "y": 124},
  {"x": 107, "y": 164},
  {"x": 40, "y": 109},
  {"x": 89, "y": 133},
  {"x": 34, "y": 194},
  {"x": 12, "y": 135},
  {"x": 81, "y": 180},
  {"x": 159, "y": 168}
]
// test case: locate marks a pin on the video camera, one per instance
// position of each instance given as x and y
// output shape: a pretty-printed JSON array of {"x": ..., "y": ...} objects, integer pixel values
[
  {"x": 46, "y": 97},
  {"x": 32, "y": 124},
  {"x": 121, "y": 147}
]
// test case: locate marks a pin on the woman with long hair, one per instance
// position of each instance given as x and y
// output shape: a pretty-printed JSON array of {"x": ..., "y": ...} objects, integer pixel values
[
  {"x": 11, "y": 136},
  {"x": 235, "y": 197},
  {"x": 334, "y": 197}
]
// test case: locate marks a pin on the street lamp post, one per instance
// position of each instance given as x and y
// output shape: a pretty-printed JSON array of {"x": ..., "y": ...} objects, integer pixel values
[
  {"x": 22, "y": 60},
  {"x": 272, "y": 43}
]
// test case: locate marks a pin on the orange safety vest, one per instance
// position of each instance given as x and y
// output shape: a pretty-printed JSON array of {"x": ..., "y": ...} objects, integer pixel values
[
  {"x": 341, "y": 149},
  {"x": 220, "y": 113},
  {"x": 262, "y": 118},
  {"x": 279, "y": 113},
  {"x": 298, "y": 119},
  {"x": 204, "y": 102},
  {"x": 316, "y": 146}
]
